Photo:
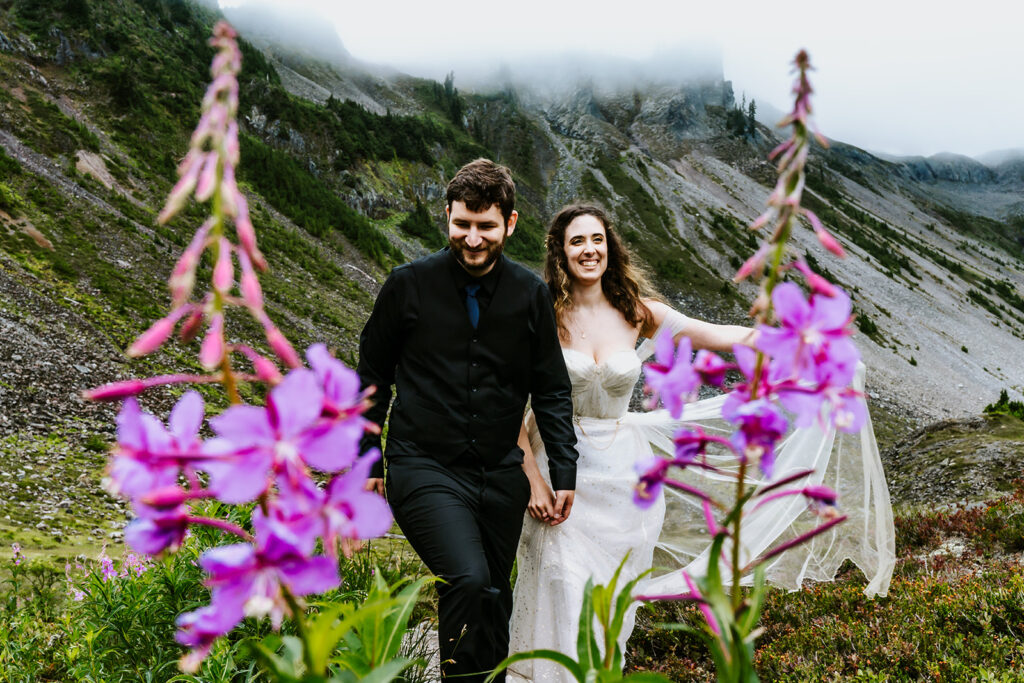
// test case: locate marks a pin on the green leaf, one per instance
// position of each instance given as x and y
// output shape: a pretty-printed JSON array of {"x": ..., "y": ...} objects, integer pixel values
[
  {"x": 623, "y": 603},
  {"x": 752, "y": 616},
  {"x": 586, "y": 641},
  {"x": 389, "y": 671},
  {"x": 552, "y": 655},
  {"x": 324, "y": 634},
  {"x": 282, "y": 670},
  {"x": 398, "y": 621}
]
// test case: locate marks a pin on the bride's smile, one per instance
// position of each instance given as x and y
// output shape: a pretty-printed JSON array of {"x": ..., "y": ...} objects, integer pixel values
[{"x": 586, "y": 249}]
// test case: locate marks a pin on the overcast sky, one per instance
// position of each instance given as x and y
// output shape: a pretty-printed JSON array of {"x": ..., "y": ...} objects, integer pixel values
[{"x": 893, "y": 76}]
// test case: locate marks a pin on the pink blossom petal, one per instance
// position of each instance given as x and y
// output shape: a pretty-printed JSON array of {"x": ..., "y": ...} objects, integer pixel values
[
  {"x": 333, "y": 447},
  {"x": 244, "y": 426},
  {"x": 296, "y": 403},
  {"x": 239, "y": 478},
  {"x": 314, "y": 575},
  {"x": 187, "y": 417},
  {"x": 790, "y": 304}
]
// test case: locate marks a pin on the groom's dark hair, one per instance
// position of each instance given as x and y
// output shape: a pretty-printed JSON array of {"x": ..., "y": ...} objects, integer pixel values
[{"x": 481, "y": 184}]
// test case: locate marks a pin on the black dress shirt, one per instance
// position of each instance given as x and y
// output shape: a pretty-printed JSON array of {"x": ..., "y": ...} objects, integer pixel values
[{"x": 460, "y": 392}]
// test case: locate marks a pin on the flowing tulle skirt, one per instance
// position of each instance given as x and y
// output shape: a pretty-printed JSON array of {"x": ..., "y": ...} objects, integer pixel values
[{"x": 555, "y": 563}]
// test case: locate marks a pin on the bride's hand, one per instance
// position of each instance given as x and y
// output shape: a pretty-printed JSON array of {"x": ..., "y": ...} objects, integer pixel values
[{"x": 542, "y": 500}]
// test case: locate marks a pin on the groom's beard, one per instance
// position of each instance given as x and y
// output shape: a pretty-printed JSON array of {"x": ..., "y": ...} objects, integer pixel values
[{"x": 476, "y": 260}]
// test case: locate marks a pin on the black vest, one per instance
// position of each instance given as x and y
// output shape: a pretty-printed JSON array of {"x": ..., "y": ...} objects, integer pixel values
[{"x": 461, "y": 390}]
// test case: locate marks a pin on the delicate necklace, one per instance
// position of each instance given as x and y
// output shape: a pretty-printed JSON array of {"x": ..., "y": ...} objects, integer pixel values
[{"x": 579, "y": 328}]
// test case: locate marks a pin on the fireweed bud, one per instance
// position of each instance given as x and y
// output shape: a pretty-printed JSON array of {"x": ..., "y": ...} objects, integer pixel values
[
  {"x": 157, "y": 334},
  {"x": 246, "y": 233},
  {"x": 252, "y": 293},
  {"x": 115, "y": 391},
  {"x": 190, "y": 328},
  {"x": 280, "y": 345},
  {"x": 211, "y": 353},
  {"x": 207, "y": 177},
  {"x": 223, "y": 271}
]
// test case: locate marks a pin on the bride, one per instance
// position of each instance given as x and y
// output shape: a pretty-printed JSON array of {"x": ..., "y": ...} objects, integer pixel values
[{"x": 604, "y": 307}]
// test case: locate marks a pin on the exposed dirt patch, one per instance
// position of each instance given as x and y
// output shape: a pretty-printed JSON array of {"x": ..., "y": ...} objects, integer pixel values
[
  {"x": 955, "y": 460},
  {"x": 92, "y": 164}
]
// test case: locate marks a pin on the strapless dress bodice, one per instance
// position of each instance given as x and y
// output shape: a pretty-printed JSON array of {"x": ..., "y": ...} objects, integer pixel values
[{"x": 602, "y": 390}]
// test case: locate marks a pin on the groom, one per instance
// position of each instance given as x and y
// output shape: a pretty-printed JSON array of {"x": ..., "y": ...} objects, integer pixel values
[{"x": 466, "y": 336}]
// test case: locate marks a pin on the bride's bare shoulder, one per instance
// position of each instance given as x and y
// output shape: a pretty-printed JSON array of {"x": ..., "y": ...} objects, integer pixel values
[{"x": 657, "y": 311}]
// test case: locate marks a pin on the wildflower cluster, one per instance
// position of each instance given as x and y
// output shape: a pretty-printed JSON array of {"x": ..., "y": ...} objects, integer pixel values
[
  {"x": 17, "y": 557},
  {"x": 800, "y": 369},
  {"x": 271, "y": 454}
]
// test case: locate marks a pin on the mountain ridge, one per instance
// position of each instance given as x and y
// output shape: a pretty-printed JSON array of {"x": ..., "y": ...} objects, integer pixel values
[{"x": 91, "y": 138}]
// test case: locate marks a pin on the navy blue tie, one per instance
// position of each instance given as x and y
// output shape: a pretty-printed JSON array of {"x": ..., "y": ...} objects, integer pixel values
[{"x": 472, "y": 305}]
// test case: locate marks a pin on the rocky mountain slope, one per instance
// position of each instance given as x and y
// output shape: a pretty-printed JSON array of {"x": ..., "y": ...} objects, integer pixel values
[{"x": 97, "y": 98}]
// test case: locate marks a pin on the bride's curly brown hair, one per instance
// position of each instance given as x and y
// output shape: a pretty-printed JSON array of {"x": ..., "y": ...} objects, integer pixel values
[{"x": 623, "y": 283}]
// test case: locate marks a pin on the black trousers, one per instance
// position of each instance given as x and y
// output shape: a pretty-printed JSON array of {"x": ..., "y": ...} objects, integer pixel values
[{"x": 464, "y": 521}]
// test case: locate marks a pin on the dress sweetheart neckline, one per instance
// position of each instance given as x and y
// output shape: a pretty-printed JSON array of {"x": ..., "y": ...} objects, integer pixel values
[{"x": 593, "y": 360}]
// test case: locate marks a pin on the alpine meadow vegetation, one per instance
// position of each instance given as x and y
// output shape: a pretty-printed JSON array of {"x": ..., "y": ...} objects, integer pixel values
[{"x": 255, "y": 554}]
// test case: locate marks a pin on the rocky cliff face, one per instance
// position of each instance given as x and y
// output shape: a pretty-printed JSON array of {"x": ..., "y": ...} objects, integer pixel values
[{"x": 337, "y": 154}]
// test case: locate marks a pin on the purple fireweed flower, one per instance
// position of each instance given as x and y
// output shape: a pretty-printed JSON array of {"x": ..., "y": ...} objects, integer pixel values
[
  {"x": 251, "y": 578},
  {"x": 106, "y": 565},
  {"x": 17, "y": 556},
  {"x": 671, "y": 377},
  {"x": 157, "y": 529},
  {"x": 342, "y": 397},
  {"x": 760, "y": 426},
  {"x": 149, "y": 456},
  {"x": 287, "y": 435},
  {"x": 710, "y": 367},
  {"x": 813, "y": 334},
  {"x": 132, "y": 564},
  {"x": 299, "y": 506},
  {"x": 351, "y": 512},
  {"x": 689, "y": 444},
  {"x": 201, "y": 628},
  {"x": 845, "y": 409},
  {"x": 652, "y": 470}
]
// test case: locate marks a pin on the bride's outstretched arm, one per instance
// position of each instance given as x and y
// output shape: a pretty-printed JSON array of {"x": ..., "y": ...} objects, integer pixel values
[
  {"x": 542, "y": 499},
  {"x": 703, "y": 335}
]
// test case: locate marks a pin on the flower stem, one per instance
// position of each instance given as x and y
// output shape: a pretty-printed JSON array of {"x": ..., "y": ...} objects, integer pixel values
[
  {"x": 737, "y": 593},
  {"x": 299, "y": 615},
  {"x": 223, "y": 525}
]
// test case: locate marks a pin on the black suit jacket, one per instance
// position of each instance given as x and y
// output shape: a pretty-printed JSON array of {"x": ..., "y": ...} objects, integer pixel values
[{"x": 460, "y": 392}]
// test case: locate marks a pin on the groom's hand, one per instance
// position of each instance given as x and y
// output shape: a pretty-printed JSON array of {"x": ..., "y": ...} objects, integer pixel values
[
  {"x": 563, "y": 506},
  {"x": 375, "y": 484}
]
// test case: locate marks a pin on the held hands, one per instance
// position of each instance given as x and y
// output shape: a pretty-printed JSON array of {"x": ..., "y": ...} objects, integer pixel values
[
  {"x": 546, "y": 506},
  {"x": 375, "y": 484},
  {"x": 563, "y": 506}
]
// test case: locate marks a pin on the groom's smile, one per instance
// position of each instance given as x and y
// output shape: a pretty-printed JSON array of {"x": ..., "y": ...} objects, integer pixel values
[{"x": 477, "y": 238}]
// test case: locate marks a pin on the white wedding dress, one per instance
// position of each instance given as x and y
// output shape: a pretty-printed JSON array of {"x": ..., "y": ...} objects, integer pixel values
[{"x": 554, "y": 563}]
